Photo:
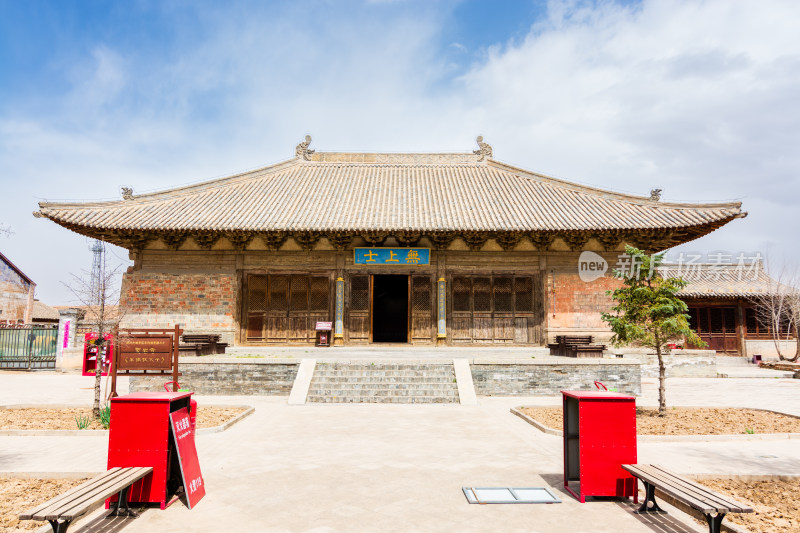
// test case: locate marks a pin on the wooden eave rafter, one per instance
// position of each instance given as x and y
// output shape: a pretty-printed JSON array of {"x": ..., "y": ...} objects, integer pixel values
[{"x": 648, "y": 239}]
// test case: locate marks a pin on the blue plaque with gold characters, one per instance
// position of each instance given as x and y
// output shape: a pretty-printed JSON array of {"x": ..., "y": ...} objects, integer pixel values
[{"x": 392, "y": 256}]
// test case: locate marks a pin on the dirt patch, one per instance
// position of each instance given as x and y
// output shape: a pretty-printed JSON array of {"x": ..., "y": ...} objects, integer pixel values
[
  {"x": 19, "y": 495},
  {"x": 61, "y": 419},
  {"x": 690, "y": 421},
  {"x": 209, "y": 417},
  {"x": 775, "y": 504}
]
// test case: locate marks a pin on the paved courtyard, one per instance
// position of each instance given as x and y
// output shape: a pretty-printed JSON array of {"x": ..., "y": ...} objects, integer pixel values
[{"x": 325, "y": 468}]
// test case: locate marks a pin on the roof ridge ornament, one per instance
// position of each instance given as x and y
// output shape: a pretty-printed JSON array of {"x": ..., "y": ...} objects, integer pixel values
[
  {"x": 655, "y": 194},
  {"x": 127, "y": 193},
  {"x": 484, "y": 150},
  {"x": 302, "y": 150}
]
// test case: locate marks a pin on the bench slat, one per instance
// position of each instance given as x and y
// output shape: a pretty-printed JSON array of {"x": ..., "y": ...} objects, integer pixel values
[
  {"x": 64, "y": 503},
  {"x": 29, "y": 514},
  {"x": 709, "y": 496},
  {"x": 97, "y": 496},
  {"x": 87, "y": 495},
  {"x": 733, "y": 505},
  {"x": 693, "y": 494}
]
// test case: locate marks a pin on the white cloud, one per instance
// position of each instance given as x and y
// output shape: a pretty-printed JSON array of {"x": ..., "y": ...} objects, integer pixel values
[{"x": 698, "y": 98}]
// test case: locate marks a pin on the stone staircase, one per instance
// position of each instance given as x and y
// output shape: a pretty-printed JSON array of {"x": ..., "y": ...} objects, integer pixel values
[{"x": 383, "y": 382}]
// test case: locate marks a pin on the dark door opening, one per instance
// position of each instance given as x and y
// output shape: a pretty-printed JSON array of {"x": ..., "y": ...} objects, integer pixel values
[{"x": 389, "y": 308}]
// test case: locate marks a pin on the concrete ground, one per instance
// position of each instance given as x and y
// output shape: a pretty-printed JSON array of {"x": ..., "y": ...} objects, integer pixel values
[{"x": 326, "y": 468}]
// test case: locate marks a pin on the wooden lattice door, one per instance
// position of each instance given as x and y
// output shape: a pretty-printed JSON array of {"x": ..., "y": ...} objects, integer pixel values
[
  {"x": 285, "y": 308},
  {"x": 497, "y": 309},
  {"x": 298, "y": 309},
  {"x": 503, "y": 309},
  {"x": 318, "y": 303},
  {"x": 461, "y": 320},
  {"x": 278, "y": 311},
  {"x": 421, "y": 309},
  {"x": 358, "y": 309},
  {"x": 257, "y": 307},
  {"x": 482, "y": 309}
]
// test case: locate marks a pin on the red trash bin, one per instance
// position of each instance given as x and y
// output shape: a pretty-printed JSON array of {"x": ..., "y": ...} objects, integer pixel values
[
  {"x": 599, "y": 437},
  {"x": 140, "y": 436}
]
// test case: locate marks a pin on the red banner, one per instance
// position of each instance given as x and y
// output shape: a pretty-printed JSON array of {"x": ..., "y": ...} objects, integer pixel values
[{"x": 187, "y": 457}]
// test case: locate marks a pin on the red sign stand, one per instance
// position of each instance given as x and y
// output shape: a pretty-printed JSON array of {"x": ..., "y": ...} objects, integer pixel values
[{"x": 187, "y": 456}]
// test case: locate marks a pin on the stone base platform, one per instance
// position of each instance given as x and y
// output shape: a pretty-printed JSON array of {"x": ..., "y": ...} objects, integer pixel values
[{"x": 495, "y": 372}]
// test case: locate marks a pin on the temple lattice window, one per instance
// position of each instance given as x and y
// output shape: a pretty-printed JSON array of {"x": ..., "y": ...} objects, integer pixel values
[
  {"x": 286, "y": 307},
  {"x": 500, "y": 309}
]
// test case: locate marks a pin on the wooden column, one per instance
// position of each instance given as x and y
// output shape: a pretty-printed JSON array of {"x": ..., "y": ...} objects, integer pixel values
[
  {"x": 338, "y": 324},
  {"x": 740, "y": 328},
  {"x": 441, "y": 322},
  {"x": 441, "y": 297}
]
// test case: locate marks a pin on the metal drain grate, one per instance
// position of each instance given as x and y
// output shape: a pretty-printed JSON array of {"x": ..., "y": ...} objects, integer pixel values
[{"x": 484, "y": 495}]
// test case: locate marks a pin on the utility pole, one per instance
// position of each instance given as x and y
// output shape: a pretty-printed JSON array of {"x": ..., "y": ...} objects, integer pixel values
[{"x": 97, "y": 249}]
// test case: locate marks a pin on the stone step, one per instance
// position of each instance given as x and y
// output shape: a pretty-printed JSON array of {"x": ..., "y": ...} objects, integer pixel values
[
  {"x": 379, "y": 399},
  {"x": 384, "y": 379},
  {"x": 321, "y": 389},
  {"x": 383, "y": 371},
  {"x": 383, "y": 375},
  {"x": 360, "y": 382},
  {"x": 382, "y": 392}
]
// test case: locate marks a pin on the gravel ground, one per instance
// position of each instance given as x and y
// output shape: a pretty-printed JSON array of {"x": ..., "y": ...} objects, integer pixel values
[
  {"x": 690, "y": 421},
  {"x": 56, "y": 419},
  {"x": 19, "y": 495},
  {"x": 776, "y": 504}
]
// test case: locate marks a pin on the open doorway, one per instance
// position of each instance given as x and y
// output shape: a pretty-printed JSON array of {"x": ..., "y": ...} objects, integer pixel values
[{"x": 389, "y": 308}]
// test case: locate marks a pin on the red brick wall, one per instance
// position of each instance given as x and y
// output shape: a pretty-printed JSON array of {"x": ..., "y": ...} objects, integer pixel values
[
  {"x": 578, "y": 304},
  {"x": 202, "y": 303}
]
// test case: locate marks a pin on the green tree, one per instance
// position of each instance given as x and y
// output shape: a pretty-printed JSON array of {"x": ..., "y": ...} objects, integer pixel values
[{"x": 648, "y": 311}]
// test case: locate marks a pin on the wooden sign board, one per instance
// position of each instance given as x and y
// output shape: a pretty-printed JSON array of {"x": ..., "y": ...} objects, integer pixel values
[
  {"x": 183, "y": 438},
  {"x": 392, "y": 256},
  {"x": 146, "y": 352},
  {"x": 153, "y": 352}
]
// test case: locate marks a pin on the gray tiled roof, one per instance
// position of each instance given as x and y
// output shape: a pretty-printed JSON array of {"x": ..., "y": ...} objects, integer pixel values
[
  {"x": 732, "y": 281},
  {"x": 44, "y": 311},
  {"x": 358, "y": 192}
]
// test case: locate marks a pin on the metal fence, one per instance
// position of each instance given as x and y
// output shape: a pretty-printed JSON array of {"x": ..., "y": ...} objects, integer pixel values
[{"x": 28, "y": 347}]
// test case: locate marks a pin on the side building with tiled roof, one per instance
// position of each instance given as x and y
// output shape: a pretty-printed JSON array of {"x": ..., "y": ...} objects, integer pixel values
[
  {"x": 16, "y": 294},
  {"x": 450, "y": 247},
  {"x": 726, "y": 304}
]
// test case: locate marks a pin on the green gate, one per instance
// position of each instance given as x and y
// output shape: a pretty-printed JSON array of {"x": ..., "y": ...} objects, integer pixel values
[{"x": 28, "y": 347}]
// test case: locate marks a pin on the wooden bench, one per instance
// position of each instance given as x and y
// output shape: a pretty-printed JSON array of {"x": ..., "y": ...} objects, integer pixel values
[
  {"x": 201, "y": 344},
  {"x": 576, "y": 346},
  {"x": 87, "y": 497},
  {"x": 714, "y": 506},
  {"x": 574, "y": 339},
  {"x": 585, "y": 350}
]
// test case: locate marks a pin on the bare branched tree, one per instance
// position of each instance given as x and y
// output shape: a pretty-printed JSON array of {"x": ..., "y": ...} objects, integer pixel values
[
  {"x": 5, "y": 231},
  {"x": 96, "y": 292},
  {"x": 778, "y": 308}
]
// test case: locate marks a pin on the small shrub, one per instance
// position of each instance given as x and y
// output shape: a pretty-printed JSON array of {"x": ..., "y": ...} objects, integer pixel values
[
  {"x": 105, "y": 416},
  {"x": 749, "y": 431},
  {"x": 83, "y": 422}
]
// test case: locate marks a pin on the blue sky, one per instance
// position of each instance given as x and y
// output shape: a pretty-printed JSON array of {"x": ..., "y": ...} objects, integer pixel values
[{"x": 696, "y": 97}]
